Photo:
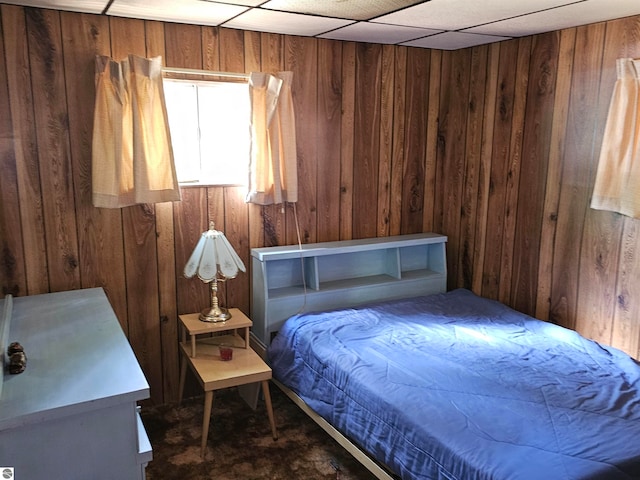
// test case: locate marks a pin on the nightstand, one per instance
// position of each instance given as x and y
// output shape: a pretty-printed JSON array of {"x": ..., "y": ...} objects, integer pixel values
[
  {"x": 193, "y": 326},
  {"x": 203, "y": 357}
]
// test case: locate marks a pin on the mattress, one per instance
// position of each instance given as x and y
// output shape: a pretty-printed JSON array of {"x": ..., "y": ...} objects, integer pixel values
[{"x": 455, "y": 386}]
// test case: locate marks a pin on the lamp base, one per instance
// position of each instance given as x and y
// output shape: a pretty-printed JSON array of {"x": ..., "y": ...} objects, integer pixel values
[{"x": 214, "y": 314}]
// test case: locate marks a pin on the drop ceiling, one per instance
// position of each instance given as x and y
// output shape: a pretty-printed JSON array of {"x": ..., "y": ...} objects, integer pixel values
[{"x": 438, "y": 24}]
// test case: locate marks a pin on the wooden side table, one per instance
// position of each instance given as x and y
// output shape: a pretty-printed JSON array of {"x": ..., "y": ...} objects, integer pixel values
[
  {"x": 214, "y": 374},
  {"x": 193, "y": 326}
]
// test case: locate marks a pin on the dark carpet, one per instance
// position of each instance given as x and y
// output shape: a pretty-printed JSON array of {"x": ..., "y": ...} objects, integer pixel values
[{"x": 240, "y": 446}]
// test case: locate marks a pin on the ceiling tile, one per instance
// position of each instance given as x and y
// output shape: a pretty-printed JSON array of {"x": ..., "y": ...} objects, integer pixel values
[
  {"x": 453, "y": 40},
  {"x": 248, "y": 3},
  {"x": 378, "y": 33},
  {"x": 285, "y": 23},
  {"x": 459, "y": 14},
  {"x": 184, "y": 11},
  {"x": 88, "y": 6},
  {"x": 591, "y": 11},
  {"x": 389, "y": 21},
  {"x": 352, "y": 9}
]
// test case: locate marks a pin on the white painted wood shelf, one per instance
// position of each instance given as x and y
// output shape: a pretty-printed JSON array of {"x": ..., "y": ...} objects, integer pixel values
[
  {"x": 288, "y": 279},
  {"x": 72, "y": 413}
]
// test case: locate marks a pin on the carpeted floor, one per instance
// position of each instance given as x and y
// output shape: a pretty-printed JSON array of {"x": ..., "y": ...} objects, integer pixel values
[{"x": 240, "y": 446}]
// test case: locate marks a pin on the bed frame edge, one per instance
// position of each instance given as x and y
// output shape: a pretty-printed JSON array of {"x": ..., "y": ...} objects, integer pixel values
[{"x": 370, "y": 464}]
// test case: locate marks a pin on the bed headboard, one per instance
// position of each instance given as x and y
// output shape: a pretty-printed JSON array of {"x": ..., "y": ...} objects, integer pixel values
[{"x": 292, "y": 279}]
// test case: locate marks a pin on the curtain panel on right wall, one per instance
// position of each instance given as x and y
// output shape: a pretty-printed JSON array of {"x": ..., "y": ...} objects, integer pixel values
[{"x": 617, "y": 185}]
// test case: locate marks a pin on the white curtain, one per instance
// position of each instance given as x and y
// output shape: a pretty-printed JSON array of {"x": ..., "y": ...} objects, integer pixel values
[
  {"x": 273, "y": 175},
  {"x": 617, "y": 185},
  {"x": 132, "y": 158}
]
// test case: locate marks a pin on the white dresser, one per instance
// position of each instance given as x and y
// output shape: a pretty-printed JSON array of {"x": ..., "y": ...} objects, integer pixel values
[{"x": 72, "y": 413}]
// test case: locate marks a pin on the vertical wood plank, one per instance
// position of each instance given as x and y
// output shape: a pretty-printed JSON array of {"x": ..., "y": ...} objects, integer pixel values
[
  {"x": 142, "y": 293},
  {"x": 503, "y": 115},
  {"x": 484, "y": 174},
  {"x": 385, "y": 166},
  {"x": 416, "y": 111},
  {"x": 367, "y": 139},
  {"x": 12, "y": 268},
  {"x": 52, "y": 133},
  {"x": 183, "y": 45},
  {"x": 431, "y": 153},
  {"x": 301, "y": 58},
  {"x": 544, "y": 309},
  {"x": 625, "y": 330},
  {"x": 12, "y": 277},
  {"x": 540, "y": 98},
  {"x": 473, "y": 146},
  {"x": 576, "y": 170},
  {"x": 398, "y": 126},
  {"x": 347, "y": 139},
  {"x": 328, "y": 149},
  {"x": 190, "y": 220},
  {"x": 25, "y": 149},
  {"x": 599, "y": 261},
  {"x": 211, "y": 48},
  {"x": 452, "y": 134},
  {"x": 232, "y": 51},
  {"x": 237, "y": 224},
  {"x": 514, "y": 166}
]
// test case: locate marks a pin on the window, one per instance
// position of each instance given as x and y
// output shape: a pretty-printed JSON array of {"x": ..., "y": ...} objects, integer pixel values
[{"x": 210, "y": 131}]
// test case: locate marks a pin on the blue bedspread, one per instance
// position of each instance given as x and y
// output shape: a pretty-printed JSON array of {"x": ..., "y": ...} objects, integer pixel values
[{"x": 454, "y": 386}]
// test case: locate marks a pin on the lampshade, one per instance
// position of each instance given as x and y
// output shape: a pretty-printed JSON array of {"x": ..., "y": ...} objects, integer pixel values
[{"x": 213, "y": 260}]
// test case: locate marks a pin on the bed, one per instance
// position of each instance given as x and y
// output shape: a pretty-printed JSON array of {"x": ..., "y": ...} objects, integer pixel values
[
  {"x": 420, "y": 383},
  {"x": 455, "y": 386}
]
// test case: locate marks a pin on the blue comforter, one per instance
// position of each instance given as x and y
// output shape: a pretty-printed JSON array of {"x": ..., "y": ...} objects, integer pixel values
[{"x": 454, "y": 386}]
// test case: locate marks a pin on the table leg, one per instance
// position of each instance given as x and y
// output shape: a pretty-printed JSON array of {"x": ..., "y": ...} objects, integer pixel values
[
  {"x": 267, "y": 401},
  {"x": 206, "y": 417}
]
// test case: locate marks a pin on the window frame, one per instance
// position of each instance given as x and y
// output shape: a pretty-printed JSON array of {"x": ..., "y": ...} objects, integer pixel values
[{"x": 204, "y": 179}]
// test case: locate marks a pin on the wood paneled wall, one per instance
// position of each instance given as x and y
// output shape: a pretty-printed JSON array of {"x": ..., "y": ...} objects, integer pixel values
[{"x": 495, "y": 146}]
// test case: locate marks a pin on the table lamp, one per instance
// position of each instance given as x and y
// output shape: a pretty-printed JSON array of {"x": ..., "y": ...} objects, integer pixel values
[{"x": 213, "y": 260}]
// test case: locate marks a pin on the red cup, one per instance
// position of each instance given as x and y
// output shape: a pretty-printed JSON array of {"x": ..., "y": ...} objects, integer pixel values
[{"x": 226, "y": 353}]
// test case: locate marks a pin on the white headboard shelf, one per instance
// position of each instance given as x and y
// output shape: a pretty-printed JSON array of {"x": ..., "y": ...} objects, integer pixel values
[{"x": 291, "y": 279}]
